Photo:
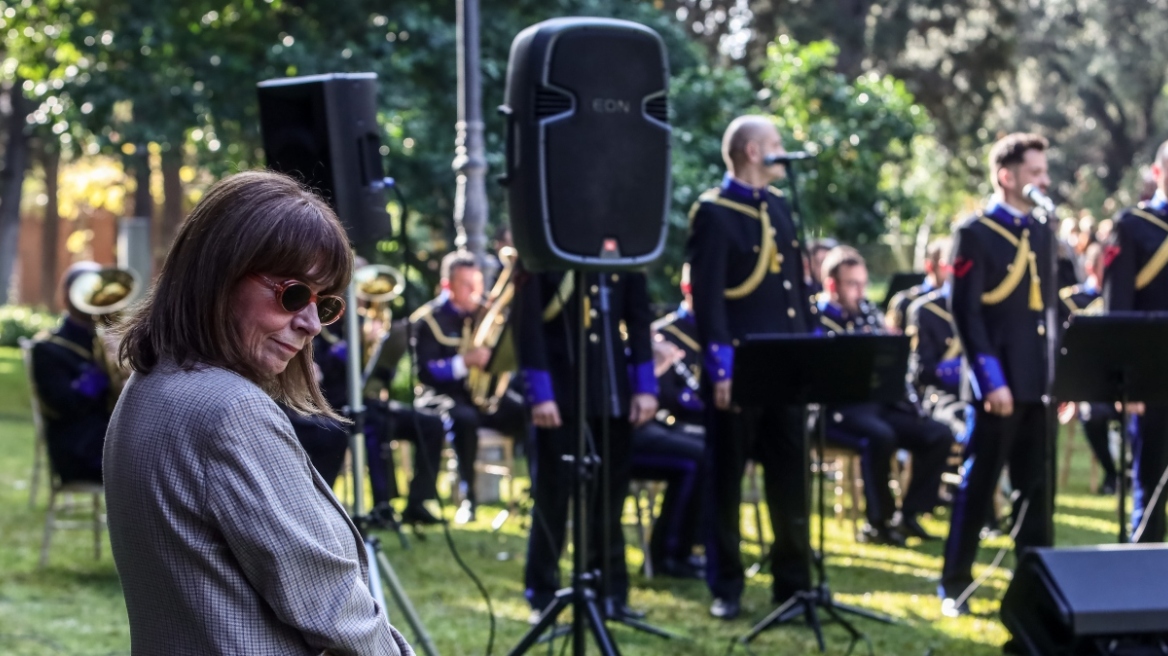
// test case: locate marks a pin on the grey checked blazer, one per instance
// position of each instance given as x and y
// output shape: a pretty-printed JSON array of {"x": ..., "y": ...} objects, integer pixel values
[{"x": 226, "y": 539}]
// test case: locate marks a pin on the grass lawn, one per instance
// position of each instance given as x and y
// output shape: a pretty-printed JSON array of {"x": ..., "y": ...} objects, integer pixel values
[{"x": 75, "y": 605}]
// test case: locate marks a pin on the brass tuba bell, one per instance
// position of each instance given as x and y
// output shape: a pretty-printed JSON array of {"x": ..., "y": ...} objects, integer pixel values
[
  {"x": 104, "y": 292},
  {"x": 378, "y": 283}
]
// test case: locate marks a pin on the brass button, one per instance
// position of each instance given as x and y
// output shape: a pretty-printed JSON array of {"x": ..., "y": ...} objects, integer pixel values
[
  {"x": 787, "y": 284},
  {"x": 791, "y": 312},
  {"x": 756, "y": 249},
  {"x": 795, "y": 243},
  {"x": 734, "y": 342},
  {"x": 1042, "y": 330},
  {"x": 595, "y": 289},
  {"x": 615, "y": 277},
  {"x": 594, "y": 338}
]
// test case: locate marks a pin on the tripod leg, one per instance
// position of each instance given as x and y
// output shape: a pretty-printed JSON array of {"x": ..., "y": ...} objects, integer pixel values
[
  {"x": 644, "y": 626},
  {"x": 813, "y": 622},
  {"x": 604, "y": 641},
  {"x": 403, "y": 603},
  {"x": 546, "y": 621},
  {"x": 777, "y": 616},
  {"x": 863, "y": 612}
]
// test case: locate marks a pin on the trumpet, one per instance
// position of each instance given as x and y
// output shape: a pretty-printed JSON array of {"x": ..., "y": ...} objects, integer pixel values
[
  {"x": 488, "y": 385},
  {"x": 103, "y": 294}
]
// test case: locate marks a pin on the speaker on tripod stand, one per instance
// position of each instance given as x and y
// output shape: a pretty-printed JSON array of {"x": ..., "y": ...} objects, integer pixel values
[{"x": 588, "y": 176}]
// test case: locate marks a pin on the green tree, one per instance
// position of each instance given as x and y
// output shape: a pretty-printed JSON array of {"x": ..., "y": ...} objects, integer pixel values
[{"x": 863, "y": 131}]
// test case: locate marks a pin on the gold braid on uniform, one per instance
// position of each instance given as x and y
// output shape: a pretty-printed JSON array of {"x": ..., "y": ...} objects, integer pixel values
[
  {"x": 1024, "y": 261},
  {"x": 768, "y": 257},
  {"x": 1156, "y": 263},
  {"x": 567, "y": 286},
  {"x": 426, "y": 314}
]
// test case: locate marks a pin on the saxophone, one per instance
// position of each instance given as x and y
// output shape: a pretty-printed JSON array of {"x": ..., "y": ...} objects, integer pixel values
[{"x": 488, "y": 385}]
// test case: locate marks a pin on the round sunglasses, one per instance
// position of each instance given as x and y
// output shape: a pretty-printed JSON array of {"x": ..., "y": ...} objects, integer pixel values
[{"x": 294, "y": 296}]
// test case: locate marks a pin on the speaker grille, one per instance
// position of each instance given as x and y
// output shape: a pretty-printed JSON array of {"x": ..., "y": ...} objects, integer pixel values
[
  {"x": 549, "y": 102},
  {"x": 658, "y": 108}
]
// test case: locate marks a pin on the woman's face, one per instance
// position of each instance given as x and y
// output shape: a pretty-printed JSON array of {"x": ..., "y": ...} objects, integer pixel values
[{"x": 271, "y": 335}]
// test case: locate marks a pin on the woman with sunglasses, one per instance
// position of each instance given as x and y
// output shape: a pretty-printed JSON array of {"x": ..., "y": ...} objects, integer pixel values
[{"x": 226, "y": 539}]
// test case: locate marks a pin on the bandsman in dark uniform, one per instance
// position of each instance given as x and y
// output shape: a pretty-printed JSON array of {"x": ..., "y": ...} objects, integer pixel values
[
  {"x": 621, "y": 395},
  {"x": 1136, "y": 280},
  {"x": 878, "y": 430},
  {"x": 1096, "y": 418},
  {"x": 936, "y": 259},
  {"x": 385, "y": 421},
  {"x": 748, "y": 278},
  {"x": 671, "y": 447},
  {"x": 999, "y": 277},
  {"x": 74, "y": 389},
  {"x": 442, "y": 332}
]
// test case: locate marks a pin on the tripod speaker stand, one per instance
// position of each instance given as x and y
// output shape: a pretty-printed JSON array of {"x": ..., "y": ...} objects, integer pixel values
[{"x": 835, "y": 369}]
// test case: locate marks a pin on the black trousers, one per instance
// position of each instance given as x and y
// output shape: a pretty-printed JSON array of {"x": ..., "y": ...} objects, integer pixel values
[
  {"x": 1096, "y": 428},
  {"x": 1149, "y": 460},
  {"x": 387, "y": 422},
  {"x": 465, "y": 420},
  {"x": 675, "y": 455},
  {"x": 774, "y": 437},
  {"x": 553, "y": 483},
  {"x": 877, "y": 431},
  {"x": 1019, "y": 441}
]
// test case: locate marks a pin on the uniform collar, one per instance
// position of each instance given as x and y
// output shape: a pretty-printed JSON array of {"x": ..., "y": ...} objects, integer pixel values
[
  {"x": 833, "y": 310},
  {"x": 1006, "y": 214},
  {"x": 734, "y": 188},
  {"x": 448, "y": 306},
  {"x": 1089, "y": 286},
  {"x": 1159, "y": 202},
  {"x": 77, "y": 332}
]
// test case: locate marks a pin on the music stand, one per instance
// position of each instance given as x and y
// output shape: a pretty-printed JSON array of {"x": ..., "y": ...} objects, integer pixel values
[
  {"x": 833, "y": 369},
  {"x": 900, "y": 281},
  {"x": 1114, "y": 357}
]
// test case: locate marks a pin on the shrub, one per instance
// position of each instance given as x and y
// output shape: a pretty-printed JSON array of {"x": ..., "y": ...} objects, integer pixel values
[{"x": 18, "y": 321}]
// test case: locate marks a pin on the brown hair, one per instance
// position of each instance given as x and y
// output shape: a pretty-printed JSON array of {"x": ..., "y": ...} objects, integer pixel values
[
  {"x": 1011, "y": 149},
  {"x": 838, "y": 257},
  {"x": 251, "y": 222}
]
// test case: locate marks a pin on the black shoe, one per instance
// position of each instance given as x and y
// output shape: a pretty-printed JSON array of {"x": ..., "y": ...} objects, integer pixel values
[
  {"x": 382, "y": 516},
  {"x": 880, "y": 535},
  {"x": 950, "y": 607},
  {"x": 418, "y": 515},
  {"x": 909, "y": 526},
  {"x": 678, "y": 569},
  {"x": 616, "y": 609},
  {"x": 725, "y": 609},
  {"x": 1107, "y": 488}
]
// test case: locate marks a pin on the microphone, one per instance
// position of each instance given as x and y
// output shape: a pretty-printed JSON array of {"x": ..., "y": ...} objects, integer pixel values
[
  {"x": 794, "y": 156},
  {"x": 1038, "y": 198}
]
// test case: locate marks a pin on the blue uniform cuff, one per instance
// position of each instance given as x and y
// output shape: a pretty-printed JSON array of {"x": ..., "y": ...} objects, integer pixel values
[
  {"x": 441, "y": 370},
  {"x": 641, "y": 378},
  {"x": 988, "y": 371},
  {"x": 949, "y": 372},
  {"x": 720, "y": 362},
  {"x": 539, "y": 386}
]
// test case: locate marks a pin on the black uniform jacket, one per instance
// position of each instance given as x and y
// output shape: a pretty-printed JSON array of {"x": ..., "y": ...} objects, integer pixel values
[
  {"x": 744, "y": 282},
  {"x": 616, "y": 322},
  {"x": 1134, "y": 276},
  {"x": 936, "y": 359},
  {"x": 439, "y": 331},
  {"x": 679, "y": 394},
  {"x": 998, "y": 311},
  {"x": 75, "y": 405}
]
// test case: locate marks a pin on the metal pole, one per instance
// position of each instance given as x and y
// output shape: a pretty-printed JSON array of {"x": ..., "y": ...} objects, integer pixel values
[{"x": 470, "y": 162}]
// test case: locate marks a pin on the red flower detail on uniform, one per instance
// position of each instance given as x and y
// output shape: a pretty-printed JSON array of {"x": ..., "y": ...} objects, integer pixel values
[
  {"x": 961, "y": 266},
  {"x": 1109, "y": 255}
]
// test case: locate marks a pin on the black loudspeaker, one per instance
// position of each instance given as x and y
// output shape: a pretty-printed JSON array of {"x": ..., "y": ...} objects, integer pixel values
[
  {"x": 588, "y": 144},
  {"x": 1109, "y": 599},
  {"x": 322, "y": 130}
]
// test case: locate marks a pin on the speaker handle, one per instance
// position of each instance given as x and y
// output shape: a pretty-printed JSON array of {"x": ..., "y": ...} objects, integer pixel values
[{"x": 504, "y": 178}]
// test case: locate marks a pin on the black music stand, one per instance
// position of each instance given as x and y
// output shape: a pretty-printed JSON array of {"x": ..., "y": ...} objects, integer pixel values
[
  {"x": 834, "y": 369},
  {"x": 1114, "y": 357},
  {"x": 900, "y": 281}
]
